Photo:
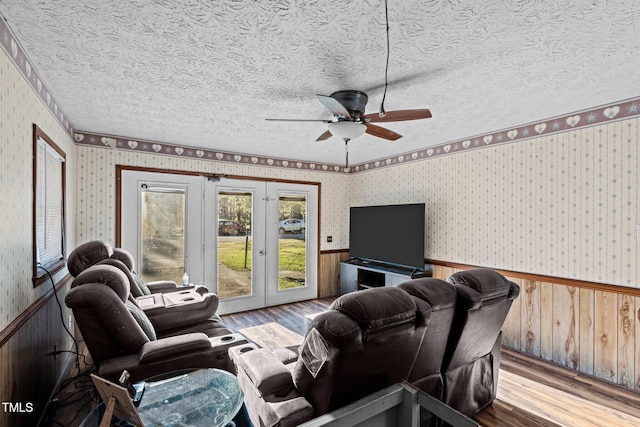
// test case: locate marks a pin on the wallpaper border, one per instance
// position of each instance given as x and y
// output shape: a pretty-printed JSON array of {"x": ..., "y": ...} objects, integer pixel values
[
  {"x": 616, "y": 111},
  {"x": 17, "y": 54},
  {"x": 621, "y": 110},
  {"x": 153, "y": 147},
  {"x": 607, "y": 113}
]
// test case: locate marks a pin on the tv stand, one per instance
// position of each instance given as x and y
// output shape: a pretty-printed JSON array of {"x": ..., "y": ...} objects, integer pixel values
[{"x": 357, "y": 274}]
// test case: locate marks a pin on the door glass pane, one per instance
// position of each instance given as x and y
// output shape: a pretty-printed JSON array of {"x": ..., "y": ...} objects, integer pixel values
[
  {"x": 163, "y": 225},
  {"x": 292, "y": 248},
  {"x": 235, "y": 212}
]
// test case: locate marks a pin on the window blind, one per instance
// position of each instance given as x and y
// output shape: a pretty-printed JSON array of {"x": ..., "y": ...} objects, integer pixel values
[{"x": 49, "y": 204}]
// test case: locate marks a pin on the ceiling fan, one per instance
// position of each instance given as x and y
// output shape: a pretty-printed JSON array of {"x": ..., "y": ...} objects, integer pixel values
[{"x": 349, "y": 120}]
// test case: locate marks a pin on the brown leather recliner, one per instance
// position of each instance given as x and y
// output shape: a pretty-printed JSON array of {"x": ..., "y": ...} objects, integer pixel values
[
  {"x": 94, "y": 251},
  {"x": 141, "y": 289},
  {"x": 472, "y": 359},
  {"x": 366, "y": 341},
  {"x": 119, "y": 336},
  {"x": 176, "y": 313},
  {"x": 172, "y": 313},
  {"x": 441, "y": 297}
]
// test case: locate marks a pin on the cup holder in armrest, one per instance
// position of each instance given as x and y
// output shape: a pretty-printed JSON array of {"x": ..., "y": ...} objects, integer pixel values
[
  {"x": 245, "y": 349},
  {"x": 184, "y": 292},
  {"x": 189, "y": 299},
  {"x": 228, "y": 338}
]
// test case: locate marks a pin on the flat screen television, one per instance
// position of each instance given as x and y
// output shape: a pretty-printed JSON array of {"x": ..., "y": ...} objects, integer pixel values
[{"x": 390, "y": 234}]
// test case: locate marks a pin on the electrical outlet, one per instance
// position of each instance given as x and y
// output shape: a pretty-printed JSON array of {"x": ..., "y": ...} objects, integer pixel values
[
  {"x": 329, "y": 239},
  {"x": 70, "y": 322}
]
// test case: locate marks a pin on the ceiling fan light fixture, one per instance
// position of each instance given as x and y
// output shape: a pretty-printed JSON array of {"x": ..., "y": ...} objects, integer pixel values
[{"x": 347, "y": 130}]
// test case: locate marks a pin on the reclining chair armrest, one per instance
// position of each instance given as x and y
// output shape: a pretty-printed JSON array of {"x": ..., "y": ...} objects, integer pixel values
[
  {"x": 268, "y": 374},
  {"x": 167, "y": 348},
  {"x": 150, "y": 302},
  {"x": 165, "y": 318},
  {"x": 201, "y": 289},
  {"x": 182, "y": 298},
  {"x": 164, "y": 286},
  {"x": 287, "y": 355}
]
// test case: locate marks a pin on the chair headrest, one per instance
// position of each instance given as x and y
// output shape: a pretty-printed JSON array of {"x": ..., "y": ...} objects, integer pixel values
[
  {"x": 125, "y": 256},
  {"x": 107, "y": 275},
  {"x": 377, "y": 309},
  {"x": 488, "y": 283},
  {"x": 87, "y": 255},
  {"x": 122, "y": 267},
  {"x": 438, "y": 293},
  {"x": 339, "y": 329}
]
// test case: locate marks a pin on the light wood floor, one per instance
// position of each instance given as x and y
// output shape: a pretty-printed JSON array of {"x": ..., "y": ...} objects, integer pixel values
[{"x": 531, "y": 392}]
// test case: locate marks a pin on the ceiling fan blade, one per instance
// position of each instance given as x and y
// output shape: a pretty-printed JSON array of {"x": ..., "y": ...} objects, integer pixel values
[
  {"x": 398, "y": 116},
  {"x": 381, "y": 132},
  {"x": 334, "y": 106},
  {"x": 325, "y": 135},
  {"x": 299, "y": 120}
]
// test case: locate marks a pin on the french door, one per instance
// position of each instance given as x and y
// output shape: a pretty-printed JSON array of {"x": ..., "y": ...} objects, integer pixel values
[
  {"x": 160, "y": 217},
  {"x": 253, "y": 243}
]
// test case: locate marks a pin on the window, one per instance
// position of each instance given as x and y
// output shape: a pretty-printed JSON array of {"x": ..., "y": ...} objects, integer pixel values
[
  {"x": 163, "y": 223},
  {"x": 48, "y": 206}
]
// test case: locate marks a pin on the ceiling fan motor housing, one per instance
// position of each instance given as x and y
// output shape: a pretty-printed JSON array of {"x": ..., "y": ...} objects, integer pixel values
[{"x": 353, "y": 100}]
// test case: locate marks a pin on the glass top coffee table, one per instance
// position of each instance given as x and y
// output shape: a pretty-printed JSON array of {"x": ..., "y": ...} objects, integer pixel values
[{"x": 205, "y": 397}]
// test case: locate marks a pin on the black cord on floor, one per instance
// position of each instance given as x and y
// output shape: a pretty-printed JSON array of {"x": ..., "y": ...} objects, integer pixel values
[
  {"x": 84, "y": 394},
  {"x": 64, "y": 324}
]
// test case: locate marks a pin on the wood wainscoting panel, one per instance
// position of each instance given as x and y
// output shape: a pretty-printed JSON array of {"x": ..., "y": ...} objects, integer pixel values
[
  {"x": 512, "y": 330},
  {"x": 329, "y": 277},
  {"x": 587, "y": 312},
  {"x": 442, "y": 272},
  {"x": 29, "y": 371},
  {"x": 636, "y": 322},
  {"x": 566, "y": 315},
  {"x": 7, "y": 380},
  {"x": 546, "y": 320},
  {"x": 626, "y": 341},
  {"x": 530, "y": 323},
  {"x": 606, "y": 334},
  {"x": 591, "y": 328}
]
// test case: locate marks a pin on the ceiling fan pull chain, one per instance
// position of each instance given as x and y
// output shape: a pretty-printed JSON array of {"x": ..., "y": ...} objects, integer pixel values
[{"x": 382, "y": 112}]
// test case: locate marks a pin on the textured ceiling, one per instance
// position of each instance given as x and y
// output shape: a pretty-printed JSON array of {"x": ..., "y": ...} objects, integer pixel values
[{"x": 207, "y": 74}]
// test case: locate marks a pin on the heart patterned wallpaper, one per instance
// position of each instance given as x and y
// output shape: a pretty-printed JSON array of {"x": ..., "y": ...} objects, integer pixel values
[{"x": 202, "y": 76}]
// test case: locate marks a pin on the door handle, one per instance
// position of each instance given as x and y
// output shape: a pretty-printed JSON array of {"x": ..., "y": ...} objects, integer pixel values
[{"x": 261, "y": 252}]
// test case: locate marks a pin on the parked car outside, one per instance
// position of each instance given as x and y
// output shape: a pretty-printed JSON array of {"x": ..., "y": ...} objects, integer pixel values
[
  {"x": 291, "y": 225},
  {"x": 230, "y": 228}
]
